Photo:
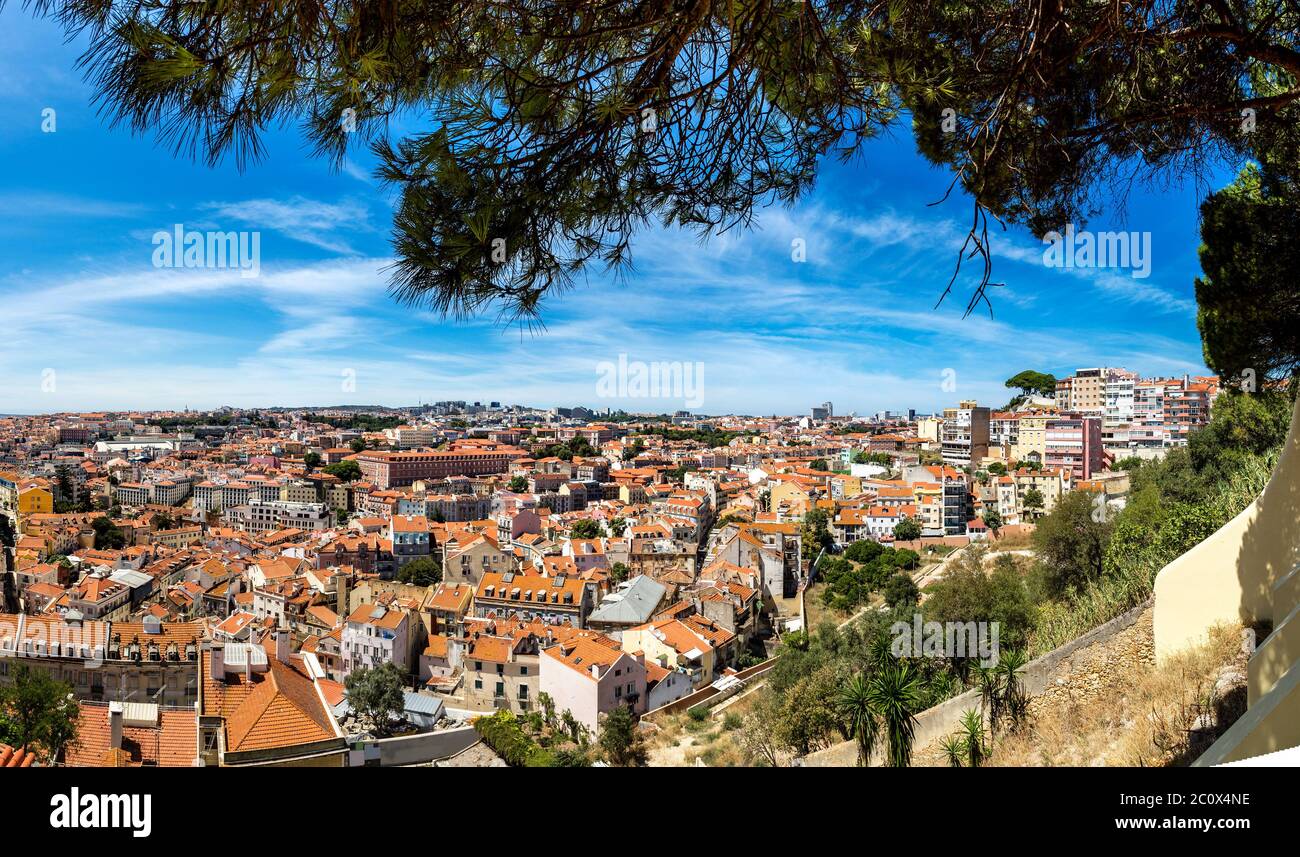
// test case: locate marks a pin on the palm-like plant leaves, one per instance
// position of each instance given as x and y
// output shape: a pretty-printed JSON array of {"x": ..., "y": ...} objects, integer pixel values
[
  {"x": 854, "y": 705},
  {"x": 894, "y": 692}
]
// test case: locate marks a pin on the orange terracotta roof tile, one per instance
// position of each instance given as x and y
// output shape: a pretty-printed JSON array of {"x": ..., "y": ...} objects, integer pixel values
[{"x": 173, "y": 743}]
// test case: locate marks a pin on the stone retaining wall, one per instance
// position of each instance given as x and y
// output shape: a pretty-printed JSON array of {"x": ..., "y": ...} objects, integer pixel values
[{"x": 1078, "y": 667}]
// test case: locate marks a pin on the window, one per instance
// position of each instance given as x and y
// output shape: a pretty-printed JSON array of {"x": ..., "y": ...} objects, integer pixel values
[
  {"x": 478, "y": 684},
  {"x": 523, "y": 691},
  {"x": 618, "y": 692},
  {"x": 523, "y": 670},
  {"x": 500, "y": 689}
]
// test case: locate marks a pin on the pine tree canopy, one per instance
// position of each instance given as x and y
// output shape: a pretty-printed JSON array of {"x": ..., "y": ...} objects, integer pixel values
[{"x": 551, "y": 132}]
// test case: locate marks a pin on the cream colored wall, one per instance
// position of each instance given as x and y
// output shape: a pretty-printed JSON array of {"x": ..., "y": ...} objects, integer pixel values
[
  {"x": 1246, "y": 573},
  {"x": 641, "y": 640},
  {"x": 1229, "y": 577}
]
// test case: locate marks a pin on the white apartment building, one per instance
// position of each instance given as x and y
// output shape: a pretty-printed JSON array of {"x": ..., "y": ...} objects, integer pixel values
[
  {"x": 225, "y": 495},
  {"x": 1004, "y": 429},
  {"x": 375, "y": 635},
  {"x": 165, "y": 492},
  {"x": 1120, "y": 393},
  {"x": 412, "y": 437},
  {"x": 965, "y": 435},
  {"x": 261, "y": 516},
  {"x": 131, "y": 493}
]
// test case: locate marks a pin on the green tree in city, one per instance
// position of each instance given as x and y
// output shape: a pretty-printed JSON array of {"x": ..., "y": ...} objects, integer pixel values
[
  {"x": 1242, "y": 425},
  {"x": 518, "y": 484},
  {"x": 864, "y": 551},
  {"x": 1247, "y": 296},
  {"x": 620, "y": 739},
  {"x": 585, "y": 528},
  {"x": 907, "y": 530},
  {"x": 107, "y": 534},
  {"x": 1071, "y": 542},
  {"x": 1031, "y": 383},
  {"x": 815, "y": 534},
  {"x": 1127, "y": 464},
  {"x": 311, "y": 460},
  {"x": 38, "y": 713},
  {"x": 901, "y": 591},
  {"x": 619, "y": 572},
  {"x": 1033, "y": 501},
  {"x": 969, "y": 592},
  {"x": 63, "y": 484},
  {"x": 346, "y": 471},
  {"x": 425, "y": 571},
  {"x": 808, "y": 716},
  {"x": 377, "y": 695}
]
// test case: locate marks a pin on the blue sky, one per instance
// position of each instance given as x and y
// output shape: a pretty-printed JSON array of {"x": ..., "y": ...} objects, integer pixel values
[{"x": 854, "y": 324}]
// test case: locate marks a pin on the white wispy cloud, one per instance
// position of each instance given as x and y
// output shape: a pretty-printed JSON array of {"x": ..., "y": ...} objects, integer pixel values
[
  {"x": 26, "y": 205},
  {"x": 309, "y": 221},
  {"x": 773, "y": 335}
]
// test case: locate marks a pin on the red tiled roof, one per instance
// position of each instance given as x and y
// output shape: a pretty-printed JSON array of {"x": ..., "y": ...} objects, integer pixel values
[
  {"x": 173, "y": 743},
  {"x": 16, "y": 758}
]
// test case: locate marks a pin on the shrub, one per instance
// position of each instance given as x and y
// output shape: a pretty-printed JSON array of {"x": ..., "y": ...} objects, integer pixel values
[{"x": 502, "y": 732}]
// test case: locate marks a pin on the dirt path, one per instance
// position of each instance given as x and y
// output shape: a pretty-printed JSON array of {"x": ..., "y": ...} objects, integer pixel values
[{"x": 672, "y": 756}]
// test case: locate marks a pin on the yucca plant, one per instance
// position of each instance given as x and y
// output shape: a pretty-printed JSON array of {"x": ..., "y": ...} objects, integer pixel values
[
  {"x": 989, "y": 681},
  {"x": 894, "y": 693},
  {"x": 1015, "y": 702},
  {"x": 954, "y": 749},
  {"x": 854, "y": 706},
  {"x": 972, "y": 738}
]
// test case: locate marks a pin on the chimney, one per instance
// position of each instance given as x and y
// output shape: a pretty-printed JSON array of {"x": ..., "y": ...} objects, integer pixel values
[
  {"x": 115, "y": 713},
  {"x": 218, "y": 662},
  {"x": 341, "y": 594},
  {"x": 283, "y": 647}
]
